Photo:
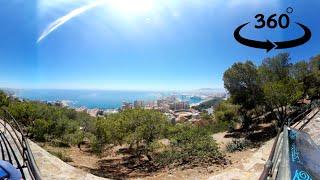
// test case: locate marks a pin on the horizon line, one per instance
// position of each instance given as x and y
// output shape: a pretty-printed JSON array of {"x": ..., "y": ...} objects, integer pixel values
[{"x": 103, "y": 89}]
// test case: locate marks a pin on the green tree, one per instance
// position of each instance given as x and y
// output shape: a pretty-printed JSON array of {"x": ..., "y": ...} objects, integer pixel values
[
  {"x": 280, "y": 94},
  {"x": 241, "y": 81},
  {"x": 4, "y": 100},
  {"x": 313, "y": 80},
  {"x": 189, "y": 145},
  {"x": 40, "y": 129},
  {"x": 300, "y": 71},
  {"x": 275, "y": 68},
  {"x": 138, "y": 128},
  {"x": 243, "y": 84}
]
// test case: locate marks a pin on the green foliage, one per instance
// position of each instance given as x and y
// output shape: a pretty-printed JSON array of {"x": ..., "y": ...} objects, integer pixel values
[
  {"x": 189, "y": 144},
  {"x": 74, "y": 138},
  {"x": 45, "y": 122},
  {"x": 313, "y": 79},
  {"x": 300, "y": 70},
  {"x": 273, "y": 86},
  {"x": 4, "y": 100},
  {"x": 279, "y": 94},
  {"x": 237, "y": 145},
  {"x": 241, "y": 80},
  {"x": 61, "y": 155},
  {"x": 226, "y": 114},
  {"x": 275, "y": 68},
  {"x": 41, "y": 129},
  {"x": 136, "y": 127},
  {"x": 226, "y": 111},
  {"x": 208, "y": 104}
]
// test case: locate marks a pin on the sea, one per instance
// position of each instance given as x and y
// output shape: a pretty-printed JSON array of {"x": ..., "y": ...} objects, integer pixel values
[{"x": 102, "y": 99}]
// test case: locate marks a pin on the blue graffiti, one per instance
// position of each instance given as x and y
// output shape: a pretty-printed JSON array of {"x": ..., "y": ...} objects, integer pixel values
[
  {"x": 295, "y": 154},
  {"x": 293, "y": 135},
  {"x": 301, "y": 175}
]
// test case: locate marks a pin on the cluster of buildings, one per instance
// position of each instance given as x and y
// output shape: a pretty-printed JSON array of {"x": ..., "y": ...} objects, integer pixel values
[
  {"x": 164, "y": 105},
  {"x": 176, "y": 110}
]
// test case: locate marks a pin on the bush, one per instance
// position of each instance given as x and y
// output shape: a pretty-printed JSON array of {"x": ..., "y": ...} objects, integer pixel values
[
  {"x": 189, "y": 145},
  {"x": 61, "y": 155},
  {"x": 40, "y": 129},
  {"x": 138, "y": 128},
  {"x": 167, "y": 157},
  {"x": 220, "y": 126},
  {"x": 58, "y": 143},
  {"x": 237, "y": 145}
]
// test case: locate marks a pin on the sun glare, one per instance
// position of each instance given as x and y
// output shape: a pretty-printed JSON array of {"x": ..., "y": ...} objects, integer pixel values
[{"x": 131, "y": 8}]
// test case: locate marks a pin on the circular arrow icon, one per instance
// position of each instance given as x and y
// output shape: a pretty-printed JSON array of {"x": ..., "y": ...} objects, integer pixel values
[{"x": 268, "y": 45}]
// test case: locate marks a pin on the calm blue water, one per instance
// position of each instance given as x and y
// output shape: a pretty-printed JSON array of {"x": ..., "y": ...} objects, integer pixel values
[{"x": 104, "y": 99}]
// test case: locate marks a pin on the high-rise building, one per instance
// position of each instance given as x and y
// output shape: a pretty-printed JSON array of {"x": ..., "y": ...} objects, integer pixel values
[
  {"x": 138, "y": 104},
  {"x": 176, "y": 106},
  {"x": 126, "y": 105}
]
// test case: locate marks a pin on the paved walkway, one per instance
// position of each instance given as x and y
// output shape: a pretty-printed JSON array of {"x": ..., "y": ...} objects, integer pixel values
[
  {"x": 250, "y": 168},
  {"x": 52, "y": 167},
  {"x": 313, "y": 127}
]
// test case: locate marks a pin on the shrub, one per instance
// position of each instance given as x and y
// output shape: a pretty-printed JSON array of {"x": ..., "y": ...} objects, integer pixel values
[
  {"x": 189, "y": 145},
  {"x": 61, "y": 155},
  {"x": 40, "y": 129},
  {"x": 58, "y": 143},
  {"x": 237, "y": 145},
  {"x": 137, "y": 127}
]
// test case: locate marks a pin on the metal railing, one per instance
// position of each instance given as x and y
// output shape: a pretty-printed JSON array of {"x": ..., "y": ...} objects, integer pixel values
[
  {"x": 278, "y": 154},
  {"x": 15, "y": 147}
]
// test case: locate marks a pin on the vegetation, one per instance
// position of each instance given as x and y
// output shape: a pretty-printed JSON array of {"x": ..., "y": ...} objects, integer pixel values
[
  {"x": 237, "y": 145},
  {"x": 138, "y": 128},
  {"x": 49, "y": 123},
  {"x": 189, "y": 145},
  {"x": 275, "y": 85},
  {"x": 227, "y": 113},
  {"x": 61, "y": 155},
  {"x": 208, "y": 104},
  {"x": 142, "y": 129}
]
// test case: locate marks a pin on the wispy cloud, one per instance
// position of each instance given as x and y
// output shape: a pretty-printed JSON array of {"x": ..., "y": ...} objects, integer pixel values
[{"x": 60, "y": 21}]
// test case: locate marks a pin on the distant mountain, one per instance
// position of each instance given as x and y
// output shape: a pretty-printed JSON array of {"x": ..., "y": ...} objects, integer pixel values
[{"x": 210, "y": 90}]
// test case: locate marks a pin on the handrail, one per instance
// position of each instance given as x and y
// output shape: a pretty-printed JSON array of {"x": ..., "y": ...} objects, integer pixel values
[
  {"x": 21, "y": 145},
  {"x": 272, "y": 160}
]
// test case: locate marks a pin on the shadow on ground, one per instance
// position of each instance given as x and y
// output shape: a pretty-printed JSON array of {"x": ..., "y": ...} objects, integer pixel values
[
  {"x": 123, "y": 168},
  {"x": 257, "y": 135}
]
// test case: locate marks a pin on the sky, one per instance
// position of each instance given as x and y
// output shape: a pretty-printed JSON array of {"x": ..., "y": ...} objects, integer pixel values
[{"x": 138, "y": 44}]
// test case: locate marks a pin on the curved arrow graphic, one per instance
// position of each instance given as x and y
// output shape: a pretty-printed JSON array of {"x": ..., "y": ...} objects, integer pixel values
[
  {"x": 268, "y": 45},
  {"x": 297, "y": 42}
]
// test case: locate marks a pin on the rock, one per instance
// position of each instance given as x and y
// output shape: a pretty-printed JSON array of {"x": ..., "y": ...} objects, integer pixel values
[{"x": 211, "y": 169}]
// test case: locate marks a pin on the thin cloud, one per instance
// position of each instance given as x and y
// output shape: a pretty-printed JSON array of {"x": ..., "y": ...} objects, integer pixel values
[{"x": 59, "y": 22}]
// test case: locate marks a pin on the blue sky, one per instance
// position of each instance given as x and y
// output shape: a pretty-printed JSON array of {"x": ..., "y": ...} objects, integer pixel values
[{"x": 140, "y": 45}]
